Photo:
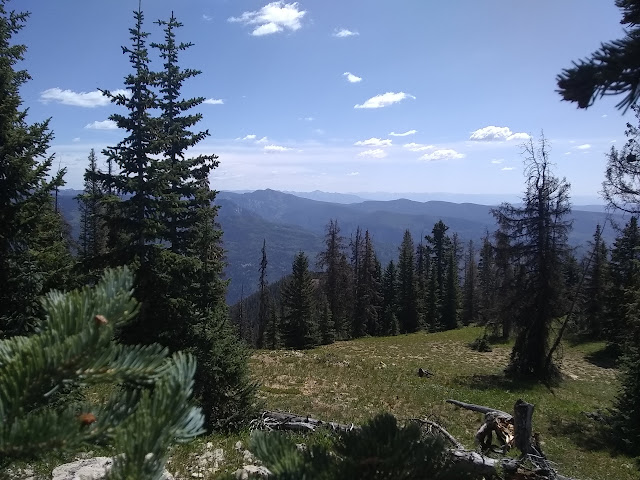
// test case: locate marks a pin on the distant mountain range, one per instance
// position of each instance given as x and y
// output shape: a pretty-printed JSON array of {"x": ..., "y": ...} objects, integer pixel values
[{"x": 290, "y": 223}]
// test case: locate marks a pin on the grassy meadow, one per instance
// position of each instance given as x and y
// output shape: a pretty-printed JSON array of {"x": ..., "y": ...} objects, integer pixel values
[{"x": 352, "y": 381}]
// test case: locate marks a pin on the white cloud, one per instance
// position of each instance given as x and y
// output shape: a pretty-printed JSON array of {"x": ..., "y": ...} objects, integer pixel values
[
  {"x": 374, "y": 153},
  {"x": 275, "y": 149},
  {"x": 567, "y": 153},
  {"x": 384, "y": 100},
  {"x": 499, "y": 134},
  {"x": 103, "y": 125},
  {"x": 319, "y": 131},
  {"x": 307, "y": 119},
  {"x": 374, "y": 142},
  {"x": 352, "y": 78},
  {"x": 206, "y": 17},
  {"x": 343, "y": 33},
  {"x": 272, "y": 18},
  {"x": 417, "y": 147},
  {"x": 405, "y": 134},
  {"x": 214, "y": 101},
  {"x": 76, "y": 139},
  {"x": 78, "y": 99},
  {"x": 605, "y": 115},
  {"x": 506, "y": 169},
  {"x": 353, "y": 174},
  {"x": 444, "y": 154},
  {"x": 251, "y": 136},
  {"x": 585, "y": 146},
  {"x": 262, "y": 140},
  {"x": 497, "y": 161}
]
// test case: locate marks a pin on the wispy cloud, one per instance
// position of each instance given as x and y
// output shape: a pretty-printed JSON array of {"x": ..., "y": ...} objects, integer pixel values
[
  {"x": 214, "y": 101},
  {"x": 507, "y": 169},
  {"x": 585, "y": 146},
  {"x": 276, "y": 149},
  {"x": 374, "y": 142},
  {"x": 417, "y": 147},
  {"x": 405, "y": 134},
  {"x": 351, "y": 78},
  {"x": 103, "y": 125},
  {"x": 344, "y": 33},
  {"x": 78, "y": 99},
  {"x": 384, "y": 100},
  {"x": 206, "y": 17},
  {"x": 262, "y": 140},
  {"x": 251, "y": 136},
  {"x": 353, "y": 174},
  {"x": 374, "y": 153},
  {"x": 272, "y": 18},
  {"x": 497, "y": 161},
  {"x": 496, "y": 134},
  {"x": 307, "y": 119},
  {"x": 444, "y": 154}
]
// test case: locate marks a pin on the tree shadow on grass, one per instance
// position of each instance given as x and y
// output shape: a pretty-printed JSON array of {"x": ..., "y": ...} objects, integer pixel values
[
  {"x": 481, "y": 381},
  {"x": 606, "y": 357},
  {"x": 589, "y": 433}
]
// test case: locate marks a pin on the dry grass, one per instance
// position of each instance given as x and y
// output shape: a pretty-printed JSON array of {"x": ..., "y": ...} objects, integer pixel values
[{"x": 352, "y": 381}]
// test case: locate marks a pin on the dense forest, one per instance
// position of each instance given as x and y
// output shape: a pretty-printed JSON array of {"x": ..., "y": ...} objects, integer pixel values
[{"x": 148, "y": 218}]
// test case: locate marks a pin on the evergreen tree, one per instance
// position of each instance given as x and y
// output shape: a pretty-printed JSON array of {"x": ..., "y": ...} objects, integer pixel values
[
  {"x": 537, "y": 231},
  {"x": 336, "y": 284},
  {"x": 33, "y": 246},
  {"x": 272, "y": 331},
  {"x": 300, "y": 325},
  {"x": 507, "y": 299},
  {"x": 76, "y": 347},
  {"x": 451, "y": 297},
  {"x": 614, "y": 69},
  {"x": 422, "y": 278},
  {"x": 326, "y": 324},
  {"x": 596, "y": 288},
  {"x": 625, "y": 268},
  {"x": 390, "y": 301},
  {"x": 407, "y": 296},
  {"x": 439, "y": 244},
  {"x": 469, "y": 288},
  {"x": 263, "y": 313},
  {"x": 93, "y": 233},
  {"x": 487, "y": 290},
  {"x": 134, "y": 219},
  {"x": 367, "y": 292}
]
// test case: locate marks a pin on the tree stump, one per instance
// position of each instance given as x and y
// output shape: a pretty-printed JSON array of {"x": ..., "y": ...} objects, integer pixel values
[{"x": 522, "y": 421}]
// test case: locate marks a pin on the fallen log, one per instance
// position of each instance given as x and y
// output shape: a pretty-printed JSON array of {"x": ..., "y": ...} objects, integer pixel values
[
  {"x": 495, "y": 421},
  {"x": 532, "y": 465}
]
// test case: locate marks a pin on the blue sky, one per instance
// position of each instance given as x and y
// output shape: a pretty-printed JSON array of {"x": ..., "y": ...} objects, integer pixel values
[{"x": 342, "y": 96}]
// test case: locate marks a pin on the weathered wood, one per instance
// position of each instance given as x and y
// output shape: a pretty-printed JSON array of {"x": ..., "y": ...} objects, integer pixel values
[
  {"x": 522, "y": 422},
  {"x": 430, "y": 426},
  {"x": 479, "y": 408},
  {"x": 271, "y": 420}
]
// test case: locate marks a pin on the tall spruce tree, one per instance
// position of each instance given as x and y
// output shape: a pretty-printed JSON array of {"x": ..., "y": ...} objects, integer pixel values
[
  {"x": 469, "y": 287},
  {"x": 367, "y": 293},
  {"x": 390, "y": 301},
  {"x": 337, "y": 279},
  {"x": 298, "y": 300},
  {"x": 169, "y": 231},
  {"x": 263, "y": 312},
  {"x": 537, "y": 231},
  {"x": 33, "y": 245},
  {"x": 487, "y": 291},
  {"x": 596, "y": 288},
  {"x": 407, "y": 296}
]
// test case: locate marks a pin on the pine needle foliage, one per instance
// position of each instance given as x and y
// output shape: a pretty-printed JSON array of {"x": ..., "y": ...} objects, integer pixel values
[
  {"x": 75, "y": 347},
  {"x": 381, "y": 449}
]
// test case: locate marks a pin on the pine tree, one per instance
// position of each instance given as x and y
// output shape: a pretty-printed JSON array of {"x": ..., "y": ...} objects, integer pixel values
[
  {"x": 326, "y": 324},
  {"x": 434, "y": 305},
  {"x": 469, "y": 288},
  {"x": 451, "y": 298},
  {"x": 337, "y": 280},
  {"x": 596, "y": 288},
  {"x": 423, "y": 265},
  {"x": 32, "y": 237},
  {"x": 263, "y": 313},
  {"x": 134, "y": 219},
  {"x": 367, "y": 292},
  {"x": 537, "y": 231},
  {"x": 486, "y": 282},
  {"x": 625, "y": 268},
  {"x": 390, "y": 301},
  {"x": 150, "y": 411},
  {"x": 300, "y": 324},
  {"x": 439, "y": 244},
  {"x": 407, "y": 297},
  {"x": 272, "y": 338}
]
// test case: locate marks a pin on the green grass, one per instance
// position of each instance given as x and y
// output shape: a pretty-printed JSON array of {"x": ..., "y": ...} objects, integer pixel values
[{"x": 352, "y": 381}]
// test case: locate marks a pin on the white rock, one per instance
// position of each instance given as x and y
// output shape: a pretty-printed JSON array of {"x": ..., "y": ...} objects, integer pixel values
[
  {"x": 251, "y": 471},
  {"x": 89, "y": 469},
  {"x": 238, "y": 445},
  {"x": 248, "y": 457}
]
